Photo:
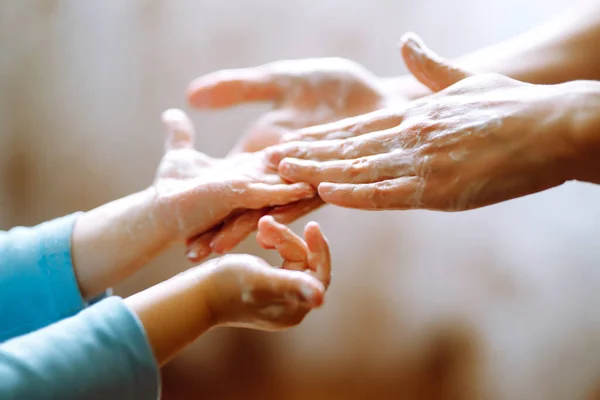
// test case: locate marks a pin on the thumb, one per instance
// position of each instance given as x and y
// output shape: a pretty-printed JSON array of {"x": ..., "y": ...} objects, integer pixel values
[
  {"x": 231, "y": 87},
  {"x": 296, "y": 284},
  {"x": 179, "y": 129},
  {"x": 429, "y": 68}
]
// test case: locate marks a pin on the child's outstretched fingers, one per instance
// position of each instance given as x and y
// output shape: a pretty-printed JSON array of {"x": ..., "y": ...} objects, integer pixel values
[
  {"x": 273, "y": 235},
  {"x": 319, "y": 258}
]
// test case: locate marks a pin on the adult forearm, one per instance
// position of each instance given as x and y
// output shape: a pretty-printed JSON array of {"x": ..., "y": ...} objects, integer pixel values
[
  {"x": 560, "y": 50},
  {"x": 583, "y": 108}
]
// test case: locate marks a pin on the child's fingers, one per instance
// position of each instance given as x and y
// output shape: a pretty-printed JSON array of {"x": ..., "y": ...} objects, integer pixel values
[
  {"x": 291, "y": 212},
  {"x": 199, "y": 248},
  {"x": 180, "y": 130},
  {"x": 289, "y": 245},
  {"x": 295, "y": 284},
  {"x": 265, "y": 241},
  {"x": 294, "y": 265},
  {"x": 236, "y": 229},
  {"x": 319, "y": 258}
]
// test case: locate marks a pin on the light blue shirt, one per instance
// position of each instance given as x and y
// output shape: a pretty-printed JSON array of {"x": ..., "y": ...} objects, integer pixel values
[{"x": 53, "y": 345}]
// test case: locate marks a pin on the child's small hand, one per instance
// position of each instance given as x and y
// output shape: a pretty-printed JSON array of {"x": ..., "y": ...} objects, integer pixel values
[
  {"x": 195, "y": 192},
  {"x": 237, "y": 290},
  {"x": 245, "y": 291}
]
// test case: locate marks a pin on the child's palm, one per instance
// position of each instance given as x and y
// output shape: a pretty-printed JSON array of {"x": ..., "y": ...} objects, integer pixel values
[{"x": 245, "y": 291}]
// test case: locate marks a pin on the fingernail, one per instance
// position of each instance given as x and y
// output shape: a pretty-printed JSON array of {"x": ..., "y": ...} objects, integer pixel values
[
  {"x": 267, "y": 219},
  {"x": 192, "y": 254},
  {"x": 326, "y": 188},
  {"x": 308, "y": 293}
]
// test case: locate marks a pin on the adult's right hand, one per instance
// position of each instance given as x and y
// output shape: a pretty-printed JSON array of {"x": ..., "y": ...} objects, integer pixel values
[{"x": 484, "y": 139}]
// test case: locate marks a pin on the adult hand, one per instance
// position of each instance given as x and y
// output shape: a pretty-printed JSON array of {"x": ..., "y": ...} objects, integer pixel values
[{"x": 482, "y": 140}]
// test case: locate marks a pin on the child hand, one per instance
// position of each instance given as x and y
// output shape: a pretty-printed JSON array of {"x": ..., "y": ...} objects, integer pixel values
[
  {"x": 195, "y": 192},
  {"x": 237, "y": 290},
  {"x": 245, "y": 291}
]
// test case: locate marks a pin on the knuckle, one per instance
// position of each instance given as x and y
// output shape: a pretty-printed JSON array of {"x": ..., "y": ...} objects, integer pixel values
[
  {"x": 347, "y": 148},
  {"x": 356, "y": 168}
]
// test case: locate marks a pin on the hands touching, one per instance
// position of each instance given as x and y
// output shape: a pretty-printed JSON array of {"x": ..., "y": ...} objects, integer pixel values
[
  {"x": 191, "y": 194},
  {"x": 303, "y": 93},
  {"x": 195, "y": 192}
]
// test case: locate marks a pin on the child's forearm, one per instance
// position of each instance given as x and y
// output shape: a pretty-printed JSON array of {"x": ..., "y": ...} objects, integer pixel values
[
  {"x": 174, "y": 313},
  {"x": 113, "y": 241}
]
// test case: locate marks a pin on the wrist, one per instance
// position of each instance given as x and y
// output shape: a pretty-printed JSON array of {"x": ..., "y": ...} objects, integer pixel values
[
  {"x": 159, "y": 215},
  {"x": 174, "y": 313},
  {"x": 583, "y": 105}
]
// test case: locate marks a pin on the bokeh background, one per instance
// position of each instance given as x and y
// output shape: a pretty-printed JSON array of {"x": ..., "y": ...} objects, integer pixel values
[{"x": 496, "y": 303}]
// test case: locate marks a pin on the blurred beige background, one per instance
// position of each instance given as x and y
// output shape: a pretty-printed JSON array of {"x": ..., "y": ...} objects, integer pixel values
[{"x": 497, "y": 303}]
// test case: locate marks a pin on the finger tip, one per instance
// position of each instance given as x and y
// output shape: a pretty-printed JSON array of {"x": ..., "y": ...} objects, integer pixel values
[
  {"x": 200, "y": 99},
  {"x": 325, "y": 189},
  {"x": 170, "y": 115},
  {"x": 266, "y": 222},
  {"x": 412, "y": 48},
  {"x": 313, "y": 294},
  {"x": 192, "y": 254},
  {"x": 173, "y": 114},
  {"x": 311, "y": 227},
  {"x": 266, "y": 219},
  {"x": 198, "y": 92},
  {"x": 176, "y": 120},
  {"x": 195, "y": 255},
  {"x": 409, "y": 37}
]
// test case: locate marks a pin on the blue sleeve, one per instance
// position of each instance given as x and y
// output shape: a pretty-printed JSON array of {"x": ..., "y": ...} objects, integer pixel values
[
  {"x": 101, "y": 353},
  {"x": 37, "y": 282}
]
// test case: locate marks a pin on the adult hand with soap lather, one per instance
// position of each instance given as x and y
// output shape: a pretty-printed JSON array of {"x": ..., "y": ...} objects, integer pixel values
[
  {"x": 311, "y": 92},
  {"x": 61, "y": 337},
  {"x": 481, "y": 139}
]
